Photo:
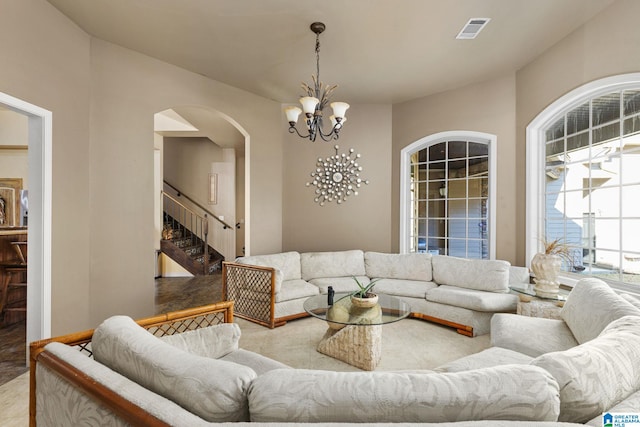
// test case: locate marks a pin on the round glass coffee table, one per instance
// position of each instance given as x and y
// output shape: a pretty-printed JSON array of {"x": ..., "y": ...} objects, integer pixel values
[{"x": 354, "y": 335}]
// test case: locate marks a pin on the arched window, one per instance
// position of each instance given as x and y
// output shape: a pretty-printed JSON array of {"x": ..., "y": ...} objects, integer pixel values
[
  {"x": 447, "y": 195},
  {"x": 583, "y": 152}
]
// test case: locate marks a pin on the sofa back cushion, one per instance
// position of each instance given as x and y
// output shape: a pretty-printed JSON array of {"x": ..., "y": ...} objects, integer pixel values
[
  {"x": 213, "y": 341},
  {"x": 509, "y": 392},
  {"x": 212, "y": 389},
  {"x": 287, "y": 262},
  {"x": 316, "y": 265},
  {"x": 482, "y": 275},
  {"x": 596, "y": 375},
  {"x": 415, "y": 266},
  {"x": 591, "y": 306}
]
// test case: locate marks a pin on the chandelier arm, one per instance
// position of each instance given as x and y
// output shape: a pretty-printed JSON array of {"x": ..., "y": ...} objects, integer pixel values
[
  {"x": 293, "y": 129},
  {"x": 333, "y": 134}
]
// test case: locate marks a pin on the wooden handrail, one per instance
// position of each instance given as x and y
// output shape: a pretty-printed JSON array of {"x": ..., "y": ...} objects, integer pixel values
[{"x": 182, "y": 194}]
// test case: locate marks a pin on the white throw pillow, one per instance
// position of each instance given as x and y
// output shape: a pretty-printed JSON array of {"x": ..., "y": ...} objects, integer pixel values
[{"x": 213, "y": 389}]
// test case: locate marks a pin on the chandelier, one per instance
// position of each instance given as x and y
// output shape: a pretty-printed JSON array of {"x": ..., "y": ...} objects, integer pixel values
[{"x": 313, "y": 102}]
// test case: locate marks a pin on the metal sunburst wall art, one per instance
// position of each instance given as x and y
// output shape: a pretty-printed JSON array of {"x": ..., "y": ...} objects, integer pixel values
[{"x": 337, "y": 177}]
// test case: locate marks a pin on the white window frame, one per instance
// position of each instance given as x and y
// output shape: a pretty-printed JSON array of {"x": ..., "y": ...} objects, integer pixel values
[
  {"x": 405, "y": 180},
  {"x": 535, "y": 153}
]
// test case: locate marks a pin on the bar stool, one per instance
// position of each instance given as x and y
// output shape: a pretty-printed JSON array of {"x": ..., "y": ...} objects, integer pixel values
[{"x": 13, "y": 299}]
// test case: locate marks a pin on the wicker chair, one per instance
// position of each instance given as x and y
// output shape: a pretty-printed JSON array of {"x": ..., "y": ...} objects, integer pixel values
[{"x": 252, "y": 289}]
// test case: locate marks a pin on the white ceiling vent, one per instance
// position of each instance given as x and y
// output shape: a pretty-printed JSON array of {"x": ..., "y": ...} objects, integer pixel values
[{"x": 472, "y": 28}]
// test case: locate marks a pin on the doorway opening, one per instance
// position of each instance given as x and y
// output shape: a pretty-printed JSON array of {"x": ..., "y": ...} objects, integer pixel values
[
  {"x": 39, "y": 176},
  {"x": 199, "y": 157}
]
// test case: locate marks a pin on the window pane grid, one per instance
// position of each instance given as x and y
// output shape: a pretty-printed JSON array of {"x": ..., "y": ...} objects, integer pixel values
[
  {"x": 449, "y": 197},
  {"x": 592, "y": 185}
]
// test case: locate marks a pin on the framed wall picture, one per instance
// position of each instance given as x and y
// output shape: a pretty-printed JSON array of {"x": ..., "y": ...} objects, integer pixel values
[
  {"x": 213, "y": 188},
  {"x": 10, "y": 201}
]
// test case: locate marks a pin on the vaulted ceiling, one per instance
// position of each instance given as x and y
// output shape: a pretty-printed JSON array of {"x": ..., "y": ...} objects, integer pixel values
[{"x": 378, "y": 51}]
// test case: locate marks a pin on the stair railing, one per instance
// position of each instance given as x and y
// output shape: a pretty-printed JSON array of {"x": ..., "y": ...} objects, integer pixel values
[
  {"x": 182, "y": 194},
  {"x": 197, "y": 225}
]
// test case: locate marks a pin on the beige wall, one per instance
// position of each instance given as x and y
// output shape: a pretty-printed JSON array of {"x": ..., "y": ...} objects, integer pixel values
[
  {"x": 128, "y": 89},
  {"x": 103, "y": 162},
  {"x": 608, "y": 45},
  {"x": 362, "y": 221},
  {"x": 45, "y": 61},
  {"x": 484, "y": 107},
  {"x": 187, "y": 164}
]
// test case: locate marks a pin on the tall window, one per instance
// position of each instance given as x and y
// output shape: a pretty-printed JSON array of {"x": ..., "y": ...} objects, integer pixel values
[
  {"x": 448, "y": 197},
  {"x": 590, "y": 181}
]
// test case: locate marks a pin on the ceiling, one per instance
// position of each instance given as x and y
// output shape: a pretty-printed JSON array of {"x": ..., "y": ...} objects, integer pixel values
[{"x": 377, "y": 51}]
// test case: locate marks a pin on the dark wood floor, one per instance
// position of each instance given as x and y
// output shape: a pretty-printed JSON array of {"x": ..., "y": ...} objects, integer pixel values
[{"x": 172, "y": 293}]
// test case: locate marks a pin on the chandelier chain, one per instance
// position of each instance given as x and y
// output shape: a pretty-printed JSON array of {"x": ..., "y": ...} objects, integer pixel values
[{"x": 317, "y": 64}]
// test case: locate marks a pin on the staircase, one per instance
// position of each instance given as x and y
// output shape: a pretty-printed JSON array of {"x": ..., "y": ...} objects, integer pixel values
[
  {"x": 187, "y": 249},
  {"x": 184, "y": 234}
]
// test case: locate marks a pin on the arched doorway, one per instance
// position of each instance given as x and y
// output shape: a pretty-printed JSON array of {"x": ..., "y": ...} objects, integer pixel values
[{"x": 200, "y": 155}]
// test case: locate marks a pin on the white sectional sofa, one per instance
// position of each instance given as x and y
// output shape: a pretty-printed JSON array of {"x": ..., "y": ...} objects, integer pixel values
[
  {"x": 462, "y": 293},
  {"x": 593, "y": 351},
  {"x": 201, "y": 378}
]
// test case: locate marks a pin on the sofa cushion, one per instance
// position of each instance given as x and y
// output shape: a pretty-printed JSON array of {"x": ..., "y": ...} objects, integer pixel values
[
  {"x": 473, "y": 299},
  {"x": 542, "y": 335},
  {"x": 315, "y": 265},
  {"x": 287, "y": 262},
  {"x": 518, "y": 276},
  {"x": 631, "y": 299},
  {"x": 493, "y": 356},
  {"x": 510, "y": 392},
  {"x": 479, "y": 274},
  {"x": 213, "y": 341},
  {"x": 591, "y": 306},
  {"x": 403, "y": 288},
  {"x": 413, "y": 266},
  {"x": 598, "y": 374},
  {"x": 259, "y": 363},
  {"x": 212, "y": 389},
  {"x": 295, "y": 289},
  {"x": 339, "y": 284}
]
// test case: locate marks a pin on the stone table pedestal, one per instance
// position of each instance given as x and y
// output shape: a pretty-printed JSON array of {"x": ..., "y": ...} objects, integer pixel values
[
  {"x": 359, "y": 346},
  {"x": 540, "y": 308}
]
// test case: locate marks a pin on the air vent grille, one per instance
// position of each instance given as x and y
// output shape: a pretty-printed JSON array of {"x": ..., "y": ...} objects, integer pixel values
[{"x": 472, "y": 28}]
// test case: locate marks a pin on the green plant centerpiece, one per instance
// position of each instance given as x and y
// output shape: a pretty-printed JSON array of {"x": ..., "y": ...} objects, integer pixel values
[
  {"x": 363, "y": 297},
  {"x": 546, "y": 267}
]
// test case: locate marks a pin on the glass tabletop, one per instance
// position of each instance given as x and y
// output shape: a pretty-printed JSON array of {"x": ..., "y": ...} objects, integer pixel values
[
  {"x": 388, "y": 309},
  {"x": 530, "y": 291}
]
